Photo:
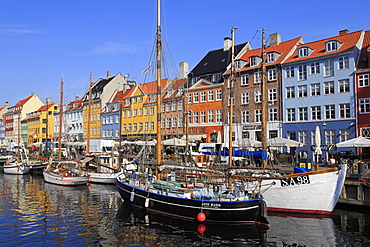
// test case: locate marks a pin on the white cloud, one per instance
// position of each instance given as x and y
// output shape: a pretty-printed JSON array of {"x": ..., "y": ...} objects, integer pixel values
[{"x": 16, "y": 29}]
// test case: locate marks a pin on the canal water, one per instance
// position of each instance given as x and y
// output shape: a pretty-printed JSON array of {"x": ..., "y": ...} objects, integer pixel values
[{"x": 35, "y": 213}]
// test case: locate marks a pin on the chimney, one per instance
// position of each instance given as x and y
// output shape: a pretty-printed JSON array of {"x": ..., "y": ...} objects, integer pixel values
[
  {"x": 275, "y": 39},
  {"x": 184, "y": 70},
  {"x": 343, "y": 32},
  {"x": 6, "y": 104},
  {"x": 77, "y": 98},
  {"x": 108, "y": 74},
  {"x": 49, "y": 101},
  {"x": 227, "y": 43}
]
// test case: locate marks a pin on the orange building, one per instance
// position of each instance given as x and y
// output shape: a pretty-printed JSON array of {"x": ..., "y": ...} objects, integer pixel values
[{"x": 204, "y": 110}]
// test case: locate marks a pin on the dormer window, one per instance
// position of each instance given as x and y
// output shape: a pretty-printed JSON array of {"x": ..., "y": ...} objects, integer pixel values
[
  {"x": 238, "y": 65},
  {"x": 303, "y": 52},
  {"x": 272, "y": 57},
  {"x": 254, "y": 61},
  {"x": 332, "y": 45}
]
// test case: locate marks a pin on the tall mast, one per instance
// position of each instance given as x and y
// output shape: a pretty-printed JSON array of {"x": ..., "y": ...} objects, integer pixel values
[
  {"x": 231, "y": 101},
  {"x": 89, "y": 115},
  {"x": 264, "y": 105},
  {"x": 159, "y": 74},
  {"x": 60, "y": 119}
]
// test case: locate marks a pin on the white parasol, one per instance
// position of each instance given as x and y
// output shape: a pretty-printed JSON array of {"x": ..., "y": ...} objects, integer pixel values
[{"x": 317, "y": 143}]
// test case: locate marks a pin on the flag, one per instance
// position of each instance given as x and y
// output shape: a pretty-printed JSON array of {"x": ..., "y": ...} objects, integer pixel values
[{"x": 146, "y": 70}]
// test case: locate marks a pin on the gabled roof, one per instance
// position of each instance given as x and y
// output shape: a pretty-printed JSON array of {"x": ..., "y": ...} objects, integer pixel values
[
  {"x": 74, "y": 105},
  {"x": 283, "y": 49},
  {"x": 100, "y": 84},
  {"x": 363, "y": 62},
  {"x": 24, "y": 101},
  {"x": 216, "y": 61},
  {"x": 348, "y": 42}
]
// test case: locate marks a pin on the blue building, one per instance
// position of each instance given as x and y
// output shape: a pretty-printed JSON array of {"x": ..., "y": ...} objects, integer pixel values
[{"x": 318, "y": 90}]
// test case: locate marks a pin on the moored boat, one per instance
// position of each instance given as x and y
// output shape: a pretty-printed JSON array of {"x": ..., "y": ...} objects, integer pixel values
[
  {"x": 62, "y": 173},
  {"x": 197, "y": 202},
  {"x": 14, "y": 166}
]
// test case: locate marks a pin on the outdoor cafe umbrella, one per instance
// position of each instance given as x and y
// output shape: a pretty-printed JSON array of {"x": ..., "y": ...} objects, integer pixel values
[
  {"x": 317, "y": 143},
  {"x": 355, "y": 142}
]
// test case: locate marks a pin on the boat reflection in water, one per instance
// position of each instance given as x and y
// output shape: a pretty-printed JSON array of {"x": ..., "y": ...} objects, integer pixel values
[
  {"x": 151, "y": 229},
  {"x": 302, "y": 230}
]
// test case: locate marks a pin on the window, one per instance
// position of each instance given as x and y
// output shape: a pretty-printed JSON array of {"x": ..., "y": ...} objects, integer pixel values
[
  {"x": 257, "y": 96},
  {"x": 272, "y": 95},
  {"x": 258, "y": 115},
  {"x": 329, "y": 68},
  {"x": 315, "y": 68},
  {"x": 331, "y": 46},
  {"x": 303, "y": 52},
  {"x": 290, "y": 113},
  {"x": 344, "y": 135},
  {"x": 245, "y": 80},
  {"x": 146, "y": 126},
  {"x": 302, "y": 72},
  {"x": 254, "y": 61},
  {"x": 219, "y": 94},
  {"x": 329, "y": 137},
  {"x": 135, "y": 126},
  {"x": 210, "y": 116},
  {"x": 273, "y": 114},
  {"x": 202, "y": 116},
  {"x": 315, "y": 112},
  {"x": 151, "y": 110},
  {"x": 344, "y": 111},
  {"x": 151, "y": 125},
  {"x": 329, "y": 111},
  {"x": 302, "y": 114},
  {"x": 181, "y": 122},
  {"x": 289, "y": 72},
  {"x": 129, "y": 113},
  {"x": 343, "y": 86},
  {"x": 303, "y": 137},
  {"x": 218, "y": 116},
  {"x": 216, "y": 77},
  {"x": 364, "y": 105},
  {"x": 174, "y": 122},
  {"x": 343, "y": 62},
  {"x": 140, "y": 126},
  {"x": 363, "y": 80},
  {"x": 245, "y": 117},
  {"x": 210, "y": 95},
  {"x": 203, "y": 96},
  {"x": 174, "y": 106},
  {"x": 196, "y": 97},
  {"x": 315, "y": 89},
  {"x": 302, "y": 91},
  {"x": 245, "y": 98},
  {"x": 292, "y": 135},
  {"x": 290, "y": 93},
  {"x": 271, "y": 57},
  {"x": 271, "y": 74},
  {"x": 135, "y": 112},
  {"x": 228, "y": 117},
  {"x": 195, "y": 117},
  {"x": 328, "y": 87},
  {"x": 188, "y": 96},
  {"x": 257, "y": 77},
  {"x": 168, "y": 122},
  {"x": 180, "y": 106}
]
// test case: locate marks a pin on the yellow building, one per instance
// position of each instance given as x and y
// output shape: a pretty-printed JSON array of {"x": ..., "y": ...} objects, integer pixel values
[
  {"x": 139, "y": 112},
  {"x": 41, "y": 124}
]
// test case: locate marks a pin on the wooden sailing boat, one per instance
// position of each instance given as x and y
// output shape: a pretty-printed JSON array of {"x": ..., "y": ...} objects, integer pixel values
[
  {"x": 18, "y": 165},
  {"x": 190, "y": 193},
  {"x": 63, "y": 172}
]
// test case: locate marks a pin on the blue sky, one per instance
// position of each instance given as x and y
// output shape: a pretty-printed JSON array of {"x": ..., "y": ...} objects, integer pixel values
[{"x": 42, "y": 40}]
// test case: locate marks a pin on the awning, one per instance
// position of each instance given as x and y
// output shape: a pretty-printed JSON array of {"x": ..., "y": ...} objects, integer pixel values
[{"x": 194, "y": 137}]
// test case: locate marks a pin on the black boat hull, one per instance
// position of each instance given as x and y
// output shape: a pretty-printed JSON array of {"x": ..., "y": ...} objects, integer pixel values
[{"x": 248, "y": 211}]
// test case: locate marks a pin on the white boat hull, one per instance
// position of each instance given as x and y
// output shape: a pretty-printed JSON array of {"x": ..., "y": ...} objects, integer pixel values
[
  {"x": 309, "y": 192},
  {"x": 103, "y": 178},
  {"x": 55, "y": 178},
  {"x": 16, "y": 168}
]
